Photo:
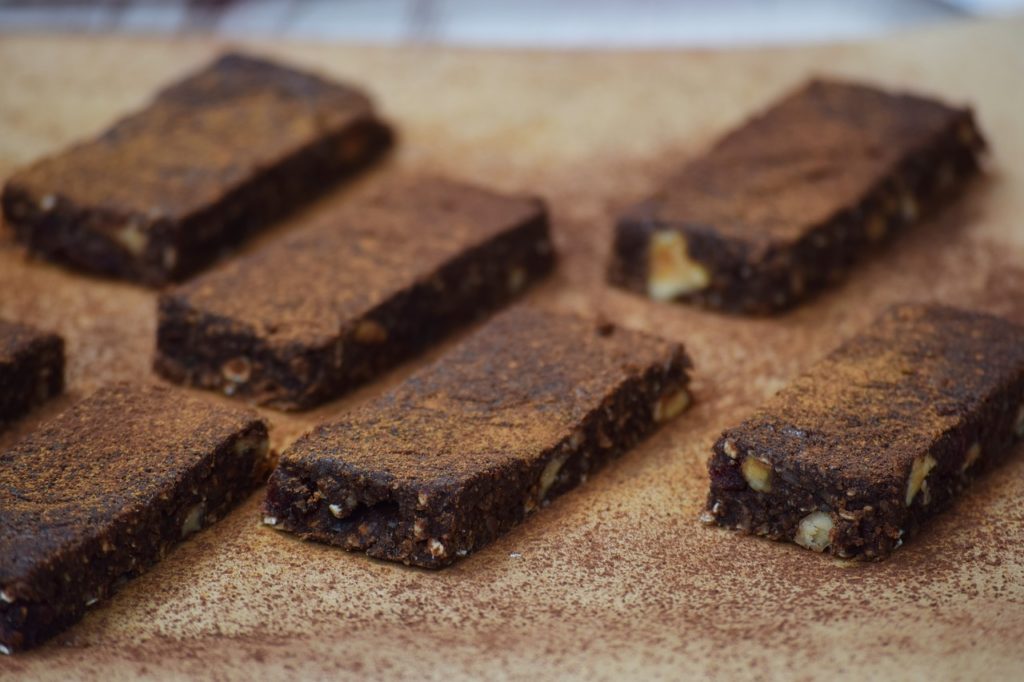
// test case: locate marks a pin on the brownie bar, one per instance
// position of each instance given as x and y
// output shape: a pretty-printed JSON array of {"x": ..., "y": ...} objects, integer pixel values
[
  {"x": 855, "y": 455},
  {"x": 31, "y": 369},
  {"x": 334, "y": 304},
  {"x": 523, "y": 410},
  {"x": 784, "y": 205},
  {"x": 212, "y": 159},
  {"x": 105, "y": 490}
]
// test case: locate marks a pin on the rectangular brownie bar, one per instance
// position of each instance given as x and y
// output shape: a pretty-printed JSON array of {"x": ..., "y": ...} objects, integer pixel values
[
  {"x": 31, "y": 369},
  {"x": 334, "y": 304},
  {"x": 855, "y": 455},
  {"x": 787, "y": 203},
  {"x": 521, "y": 411},
  {"x": 212, "y": 159},
  {"x": 104, "y": 490}
]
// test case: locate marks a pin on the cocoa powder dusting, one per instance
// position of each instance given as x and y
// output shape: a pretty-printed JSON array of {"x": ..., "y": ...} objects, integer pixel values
[{"x": 617, "y": 578}]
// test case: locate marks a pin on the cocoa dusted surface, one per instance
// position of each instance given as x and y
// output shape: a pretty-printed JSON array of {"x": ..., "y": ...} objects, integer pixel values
[
  {"x": 86, "y": 494},
  {"x": 786, "y": 204},
  {"x": 617, "y": 578},
  {"x": 306, "y": 319},
  {"x": 148, "y": 161},
  {"x": 512, "y": 390},
  {"x": 83, "y": 468},
  {"x": 523, "y": 409},
  {"x": 210, "y": 160},
  {"x": 318, "y": 280},
  {"x": 798, "y": 164},
  {"x": 906, "y": 377},
  {"x": 844, "y": 438}
]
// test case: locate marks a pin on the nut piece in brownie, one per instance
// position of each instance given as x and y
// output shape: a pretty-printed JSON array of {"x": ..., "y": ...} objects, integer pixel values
[
  {"x": 521, "y": 411},
  {"x": 212, "y": 159},
  {"x": 104, "y": 490},
  {"x": 785, "y": 204},
  {"x": 855, "y": 455},
  {"x": 335, "y": 303},
  {"x": 31, "y": 369}
]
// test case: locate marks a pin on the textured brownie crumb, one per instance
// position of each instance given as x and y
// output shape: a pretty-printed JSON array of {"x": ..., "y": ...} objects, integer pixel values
[
  {"x": 212, "y": 159},
  {"x": 31, "y": 369},
  {"x": 523, "y": 410},
  {"x": 784, "y": 205},
  {"x": 334, "y": 304},
  {"x": 104, "y": 490},
  {"x": 855, "y": 455}
]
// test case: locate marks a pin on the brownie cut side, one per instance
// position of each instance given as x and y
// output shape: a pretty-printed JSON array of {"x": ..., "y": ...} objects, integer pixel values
[
  {"x": 858, "y": 453},
  {"x": 521, "y": 411},
  {"x": 332, "y": 305},
  {"x": 787, "y": 203},
  {"x": 104, "y": 490},
  {"x": 31, "y": 369},
  {"x": 209, "y": 161}
]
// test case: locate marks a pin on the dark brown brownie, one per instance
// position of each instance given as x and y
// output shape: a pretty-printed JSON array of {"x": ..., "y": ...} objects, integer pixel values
[
  {"x": 784, "y": 205},
  {"x": 855, "y": 455},
  {"x": 105, "y": 490},
  {"x": 212, "y": 159},
  {"x": 31, "y": 369},
  {"x": 521, "y": 411},
  {"x": 306, "y": 318}
]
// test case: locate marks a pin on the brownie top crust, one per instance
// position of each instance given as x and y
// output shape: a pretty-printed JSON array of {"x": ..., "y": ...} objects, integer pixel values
[
  {"x": 105, "y": 459},
  {"x": 198, "y": 140},
  {"x": 862, "y": 415},
  {"x": 800, "y": 162},
  {"x": 509, "y": 392},
  {"x": 15, "y": 339},
  {"x": 306, "y": 286}
]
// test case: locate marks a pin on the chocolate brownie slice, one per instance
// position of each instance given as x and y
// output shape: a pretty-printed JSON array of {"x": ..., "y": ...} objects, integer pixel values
[
  {"x": 858, "y": 453},
  {"x": 31, "y": 369},
  {"x": 518, "y": 413},
  {"x": 332, "y": 305},
  {"x": 212, "y": 159},
  {"x": 785, "y": 205},
  {"x": 104, "y": 490}
]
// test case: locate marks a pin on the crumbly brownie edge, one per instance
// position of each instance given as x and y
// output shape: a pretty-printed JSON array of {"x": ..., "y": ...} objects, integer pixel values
[
  {"x": 58, "y": 594},
  {"x": 435, "y": 524},
  {"x": 114, "y": 243},
  {"x": 32, "y": 378},
  {"x": 869, "y": 523},
  {"x": 768, "y": 283},
  {"x": 208, "y": 351}
]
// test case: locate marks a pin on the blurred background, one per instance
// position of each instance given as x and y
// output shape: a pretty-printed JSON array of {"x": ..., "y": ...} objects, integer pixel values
[{"x": 518, "y": 23}]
